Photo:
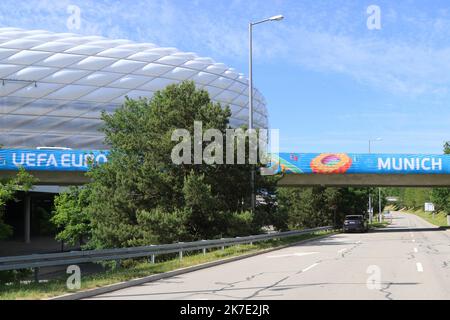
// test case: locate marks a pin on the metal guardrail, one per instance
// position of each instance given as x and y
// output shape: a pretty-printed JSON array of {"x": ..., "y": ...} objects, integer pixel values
[{"x": 36, "y": 261}]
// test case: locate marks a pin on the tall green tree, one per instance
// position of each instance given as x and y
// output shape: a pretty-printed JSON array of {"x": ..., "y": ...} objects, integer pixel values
[
  {"x": 140, "y": 196},
  {"x": 23, "y": 181},
  {"x": 319, "y": 206},
  {"x": 441, "y": 196},
  {"x": 71, "y": 215}
]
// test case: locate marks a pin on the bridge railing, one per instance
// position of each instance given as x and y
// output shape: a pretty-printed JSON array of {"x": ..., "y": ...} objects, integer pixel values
[{"x": 36, "y": 261}]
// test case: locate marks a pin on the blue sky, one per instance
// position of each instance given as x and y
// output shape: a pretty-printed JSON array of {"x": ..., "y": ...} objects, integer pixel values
[{"x": 330, "y": 82}]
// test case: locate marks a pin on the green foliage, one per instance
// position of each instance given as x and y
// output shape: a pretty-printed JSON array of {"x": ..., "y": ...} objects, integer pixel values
[
  {"x": 71, "y": 215},
  {"x": 23, "y": 181},
  {"x": 447, "y": 147},
  {"x": 415, "y": 198},
  {"x": 241, "y": 224},
  {"x": 441, "y": 196},
  {"x": 46, "y": 227},
  {"x": 160, "y": 226},
  {"x": 13, "y": 275},
  {"x": 200, "y": 202},
  {"x": 140, "y": 197},
  {"x": 441, "y": 199},
  {"x": 319, "y": 206}
]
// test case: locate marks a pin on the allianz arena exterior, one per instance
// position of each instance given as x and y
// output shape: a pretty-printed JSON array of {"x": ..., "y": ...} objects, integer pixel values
[{"x": 53, "y": 86}]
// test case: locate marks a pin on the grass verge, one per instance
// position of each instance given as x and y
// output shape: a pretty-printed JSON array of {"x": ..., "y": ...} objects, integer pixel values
[
  {"x": 376, "y": 225},
  {"x": 440, "y": 218},
  {"x": 138, "y": 269}
]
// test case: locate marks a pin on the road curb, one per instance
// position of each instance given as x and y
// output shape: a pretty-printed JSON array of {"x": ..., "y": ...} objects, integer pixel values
[{"x": 135, "y": 282}]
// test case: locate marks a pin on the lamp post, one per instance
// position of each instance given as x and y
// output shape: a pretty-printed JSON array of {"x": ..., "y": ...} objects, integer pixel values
[
  {"x": 250, "y": 92},
  {"x": 379, "y": 190},
  {"x": 380, "y": 218}
]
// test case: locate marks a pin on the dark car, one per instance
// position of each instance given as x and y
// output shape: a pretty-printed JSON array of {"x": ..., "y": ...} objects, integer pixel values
[{"x": 356, "y": 223}]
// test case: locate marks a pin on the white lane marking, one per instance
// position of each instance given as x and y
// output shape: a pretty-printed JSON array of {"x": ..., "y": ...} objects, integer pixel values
[
  {"x": 342, "y": 250},
  {"x": 416, "y": 250},
  {"x": 297, "y": 254},
  {"x": 310, "y": 267},
  {"x": 419, "y": 267}
]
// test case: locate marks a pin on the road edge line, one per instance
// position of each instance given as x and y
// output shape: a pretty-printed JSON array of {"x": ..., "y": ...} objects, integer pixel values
[{"x": 155, "y": 277}]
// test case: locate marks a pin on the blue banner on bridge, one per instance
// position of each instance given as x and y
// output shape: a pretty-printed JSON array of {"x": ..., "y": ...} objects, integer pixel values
[
  {"x": 50, "y": 160},
  {"x": 340, "y": 163},
  {"x": 291, "y": 163}
]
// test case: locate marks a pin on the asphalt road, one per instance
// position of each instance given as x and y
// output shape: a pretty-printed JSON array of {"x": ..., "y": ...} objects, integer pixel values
[{"x": 408, "y": 260}]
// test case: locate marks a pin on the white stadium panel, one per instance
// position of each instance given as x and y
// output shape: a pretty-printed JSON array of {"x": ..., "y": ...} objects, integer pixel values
[
  {"x": 213, "y": 91},
  {"x": 222, "y": 82},
  {"x": 66, "y": 76},
  {"x": 85, "y": 49},
  {"x": 227, "y": 96},
  {"x": 31, "y": 91},
  {"x": 94, "y": 63},
  {"x": 216, "y": 68},
  {"x": 164, "y": 51},
  {"x": 34, "y": 108},
  {"x": 54, "y": 46},
  {"x": 8, "y": 104},
  {"x": 238, "y": 87},
  {"x": 135, "y": 94},
  {"x": 180, "y": 73},
  {"x": 22, "y": 44},
  {"x": 235, "y": 109},
  {"x": 77, "y": 125},
  {"x": 10, "y": 87},
  {"x": 242, "y": 115},
  {"x": 32, "y": 72},
  {"x": 129, "y": 82},
  {"x": 68, "y": 109},
  {"x": 54, "y": 86},
  {"x": 204, "y": 78},
  {"x": 241, "y": 100},
  {"x": 154, "y": 70},
  {"x": 117, "y": 53},
  {"x": 6, "y": 53},
  {"x": 99, "y": 79},
  {"x": 7, "y": 69},
  {"x": 71, "y": 92},
  {"x": 231, "y": 74},
  {"x": 104, "y": 94},
  {"x": 61, "y": 60},
  {"x": 172, "y": 60},
  {"x": 27, "y": 56},
  {"x": 45, "y": 36},
  {"x": 137, "y": 47},
  {"x": 196, "y": 64},
  {"x": 125, "y": 66},
  {"x": 146, "y": 56},
  {"x": 156, "y": 84}
]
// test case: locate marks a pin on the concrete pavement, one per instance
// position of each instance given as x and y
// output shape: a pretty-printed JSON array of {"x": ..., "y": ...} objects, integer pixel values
[{"x": 408, "y": 260}]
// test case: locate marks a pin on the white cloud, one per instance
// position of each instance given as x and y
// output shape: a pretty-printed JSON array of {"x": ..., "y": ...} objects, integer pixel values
[{"x": 408, "y": 56}]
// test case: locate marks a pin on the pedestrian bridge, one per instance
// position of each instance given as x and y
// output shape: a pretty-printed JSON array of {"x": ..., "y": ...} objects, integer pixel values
[
  {"x": 342, "y": 169},
  {"x": 68, "y": 167}
]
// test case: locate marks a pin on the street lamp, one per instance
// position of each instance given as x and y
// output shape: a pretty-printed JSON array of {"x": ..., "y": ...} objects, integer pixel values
[
  {"x": 379, "y": 190},
  {"x": 250, "y": 91}
]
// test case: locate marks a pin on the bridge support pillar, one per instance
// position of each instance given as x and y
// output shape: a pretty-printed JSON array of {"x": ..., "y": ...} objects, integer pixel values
[{"x": 27, "y": 218}]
